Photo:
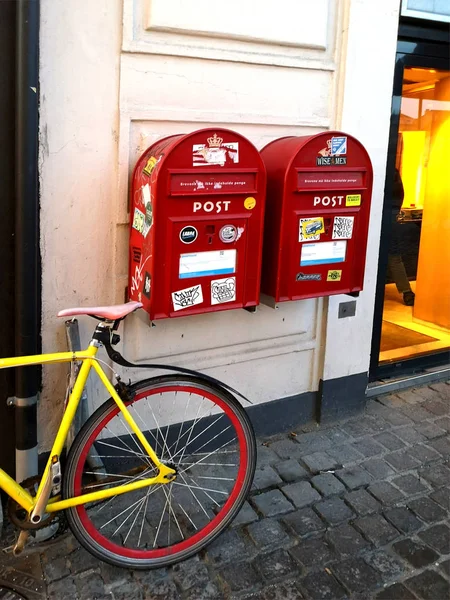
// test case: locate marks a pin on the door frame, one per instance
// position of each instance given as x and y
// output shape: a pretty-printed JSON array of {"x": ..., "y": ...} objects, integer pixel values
[{"x": 409, "y": 54}]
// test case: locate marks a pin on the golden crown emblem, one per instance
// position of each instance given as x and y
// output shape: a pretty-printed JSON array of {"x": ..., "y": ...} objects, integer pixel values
[{"x": 215, "y": 141}]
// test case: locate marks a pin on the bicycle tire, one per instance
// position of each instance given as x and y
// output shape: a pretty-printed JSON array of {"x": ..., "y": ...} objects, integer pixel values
[{"x": 131, "y": 551}]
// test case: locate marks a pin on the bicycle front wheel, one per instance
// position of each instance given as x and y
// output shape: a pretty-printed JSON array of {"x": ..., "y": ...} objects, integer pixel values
[{"x": 200, "y": 431}]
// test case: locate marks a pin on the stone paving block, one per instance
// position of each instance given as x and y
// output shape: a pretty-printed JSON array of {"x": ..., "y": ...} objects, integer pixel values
[
  {"x": 229, "y": 546},
  {"x": 396, "y": 592},
  {"x": 424, "y": 453},
  {"x": 354, "y": 477},
  {"x": 336, "y": 436},
  {"x": 442, "y": 388},
  {"x": 319, "y": 461},
  {"x": 314, "y": 553},
  {"x": 410, "y": 435},
  {"x": 327, "y": 484},
  {"x": 265, "y": 455},
  {"x": 287, "y": 590},
  {"x": 378, "y": 468},
  {"x": 442, "y": 445},
  {"x": 389, "y": 441},
  {"x": 386, "y": 564},
  {"x": 362, "y": 502},
  {"x": 438, "y": 475},
  {"x": 301, "y": 493},
  {"x": 385, "y": 492},
  {"x": 80, "y": 560},
  {"x": 396, "y": 418},
  {"x": 410, "y": 484},
  {"x": 415, "y": 553},
  {"x": 148, "y": 578},
  {"x": 403, "y": 519},
  {"x": 346, "y": 540},
  {"x": 360, "y": 426},
  {"x": 239, "y": 576},
  {"x": 189, "y": 573},
  {"x": 416, "y": 413},
  {"x": 444, "y": 567},
  {"x": 265, "y": 477},
  {"x": 272, "y": 503},
  {"x": 356, "y": 575},
  {"x": 344, "y": 454},
  {"x": 290, "y": 470},
  {"x": 89, "y": 584},
  {"x": 436, "y": 407},
  {"x": 368, "y": 447},
  {"x": 276, "y": 564},
  {"x": 429, "y": 585},
  {"x": 410, "y": 396},
  {"x": 210, "y": 591},
  {"x": 376, "y": 529},
  {"x": 402, "y": 461},
  {"x": 63, "y": 589},
  {"x": 322, "y": 586},
  {"x": 304, "y": 522},
  {"x": 438, "y": 537},
  {"x": 427, "y": 510},
  {"x": 127, "y": 590},
  {"x": 268, "y": 533},
  {"x": 285, "y": 448},
  {"x": 245, "y": 516},
  {"x": 334, "y": 511},
  {"x": 442, "y": 497},
  {"x": 56, "y": 569},
  {"x": 430, "y": 431},
  {"x": 314, "y": 441},
  {"x": 443, "y": 423}
]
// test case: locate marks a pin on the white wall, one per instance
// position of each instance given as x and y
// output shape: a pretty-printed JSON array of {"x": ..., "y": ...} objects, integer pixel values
[{"x": 118, "y": 75}]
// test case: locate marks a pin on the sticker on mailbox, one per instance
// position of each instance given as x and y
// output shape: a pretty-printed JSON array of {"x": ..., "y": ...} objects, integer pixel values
[
  {"x": 310, "y": 229},
  {"x": 334, "y": 275},
  {"x": 223, "y": 290},
  {"x": 353, "y": 200},
  {"x": 188, "y": 297},
  {"x": 138, "y": 220},
  {"x": 202, "y": 264},
  {"x": 323, "y": 253},
  {"x": 343, "y": 228},
  {"x": 249, "y": 203},
  {"x": 188, "y": 234},
  {"x": 228, "y": 234},
  {"x": 215, "y": 152}
]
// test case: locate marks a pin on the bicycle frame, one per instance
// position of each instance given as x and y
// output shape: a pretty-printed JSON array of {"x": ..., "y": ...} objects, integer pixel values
[{"x": 89, "y": 361}]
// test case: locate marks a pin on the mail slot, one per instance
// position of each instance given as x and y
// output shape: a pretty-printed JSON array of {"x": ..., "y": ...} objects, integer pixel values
[
  {"x": 317, "y": 216},
  {"x": 196, "y": 226}
]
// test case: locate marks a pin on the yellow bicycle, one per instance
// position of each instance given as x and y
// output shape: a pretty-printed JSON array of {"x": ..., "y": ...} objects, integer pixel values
[{"x": 156, "y": 472}]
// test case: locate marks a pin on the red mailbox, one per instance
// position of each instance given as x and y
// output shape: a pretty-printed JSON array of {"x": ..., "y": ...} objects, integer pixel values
[
  {"x": 317, "y": 216},
  {"x": 197, "y": 212}
]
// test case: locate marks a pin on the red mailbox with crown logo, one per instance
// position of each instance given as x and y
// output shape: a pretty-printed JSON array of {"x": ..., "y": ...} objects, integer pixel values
[
  {"x": 319, "y": 191},
  {"x": 197, "y": 211}
]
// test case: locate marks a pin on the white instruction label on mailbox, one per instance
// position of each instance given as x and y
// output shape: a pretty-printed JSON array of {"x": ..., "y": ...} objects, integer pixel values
[
  {"x": 202, "y": 264},
  {"x": 323, "y": 253}
]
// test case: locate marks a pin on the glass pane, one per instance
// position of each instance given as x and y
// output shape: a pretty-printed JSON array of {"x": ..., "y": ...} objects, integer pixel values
[{"x": 416, "y": 314}]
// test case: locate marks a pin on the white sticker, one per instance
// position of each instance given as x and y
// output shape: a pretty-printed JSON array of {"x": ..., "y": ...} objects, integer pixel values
[
  {"x": 138, "y": 220},
  {"x": 202, "y": 264},
  {"x": 343, "y": 228},
  {"x": 188, "y": 297},
  {"x": 223, "y": 290},
  {"x": 147, "y": 201},
  {"x": 215, "y": 152},
  {"x": 323, "y": 253}
]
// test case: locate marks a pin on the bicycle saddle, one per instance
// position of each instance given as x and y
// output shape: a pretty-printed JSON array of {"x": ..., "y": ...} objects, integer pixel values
[{"x": 111, "y": 313}]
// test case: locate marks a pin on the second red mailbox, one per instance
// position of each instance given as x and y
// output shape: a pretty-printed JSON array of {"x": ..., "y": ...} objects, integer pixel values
[
  {"x": 317, "y": 216},
  {"x": 197, "y": 224}
]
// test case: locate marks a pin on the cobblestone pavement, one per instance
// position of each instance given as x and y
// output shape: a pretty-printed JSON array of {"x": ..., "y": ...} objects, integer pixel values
[{"x": 356, "y": 510}]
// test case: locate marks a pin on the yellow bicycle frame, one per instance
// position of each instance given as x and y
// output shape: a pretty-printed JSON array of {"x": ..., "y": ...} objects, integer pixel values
[{"x": 89, "y": 361}]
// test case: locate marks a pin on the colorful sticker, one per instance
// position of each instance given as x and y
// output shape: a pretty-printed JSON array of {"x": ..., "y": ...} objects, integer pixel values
[
  {"x": 310, "y": 229},
  {"x": 188, "y": 297},
  {"x": 228, "y": 234},
  {"x": 151, "y": 164},
  {"x": 223, "y": 290},
  {"x": 215, "y": 152},
  {"x": 138, "y": 220},
  {"x": 334, "y": 275},
  {"x": 202, "y": 264},
  {"x": 147, "y": 285},
  {"x": 147, "y": 201},
  {"x": 323, "y": 253},
  {"x": 353, "y": 200},
  {"x": 188, "y": 234},
  {"x": 308, "y": 277},
  {"x": 343, "y": 228},
  {"x": 249, "y": 203},
  {"x": 334, "y": 153}
]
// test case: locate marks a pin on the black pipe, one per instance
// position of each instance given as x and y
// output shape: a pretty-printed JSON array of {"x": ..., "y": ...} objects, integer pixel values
[{"x": 27, "y": 257}]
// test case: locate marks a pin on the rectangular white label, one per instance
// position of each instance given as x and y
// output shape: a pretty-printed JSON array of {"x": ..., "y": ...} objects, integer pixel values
[
  {"x": 202, "y": 264},
  {"x": 187, "y": 297},
  {"x": 323, "y": 253},
  {"x": 343, "y": 228},
  {"x": 223, "y": 290}
]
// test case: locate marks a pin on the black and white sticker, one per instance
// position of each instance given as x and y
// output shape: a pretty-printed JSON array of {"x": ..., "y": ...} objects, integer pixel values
[
  {"x": 188, "y": 234},
  {"x": 188, "y": 297},
  {"x": 223, "y": 290},
  {"x": 308, "y": 277},
  {"x": 343, "y": 228},
  {"x": 228, "y": 234},
  {"x": 147, "y": 285}
]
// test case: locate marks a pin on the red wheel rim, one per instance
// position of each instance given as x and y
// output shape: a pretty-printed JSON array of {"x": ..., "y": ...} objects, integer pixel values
[{"x": 178, "y": 547}]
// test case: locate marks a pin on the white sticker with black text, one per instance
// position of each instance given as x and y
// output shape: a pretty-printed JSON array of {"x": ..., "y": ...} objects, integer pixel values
[
  {"x": 188, "y": 297},
  {"x": 343, "y": 228},
  {"x": 223, "y": 290}
]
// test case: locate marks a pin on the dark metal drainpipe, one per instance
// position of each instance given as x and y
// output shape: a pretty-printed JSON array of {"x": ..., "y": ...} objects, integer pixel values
[{"x": 27, "y": 256}]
